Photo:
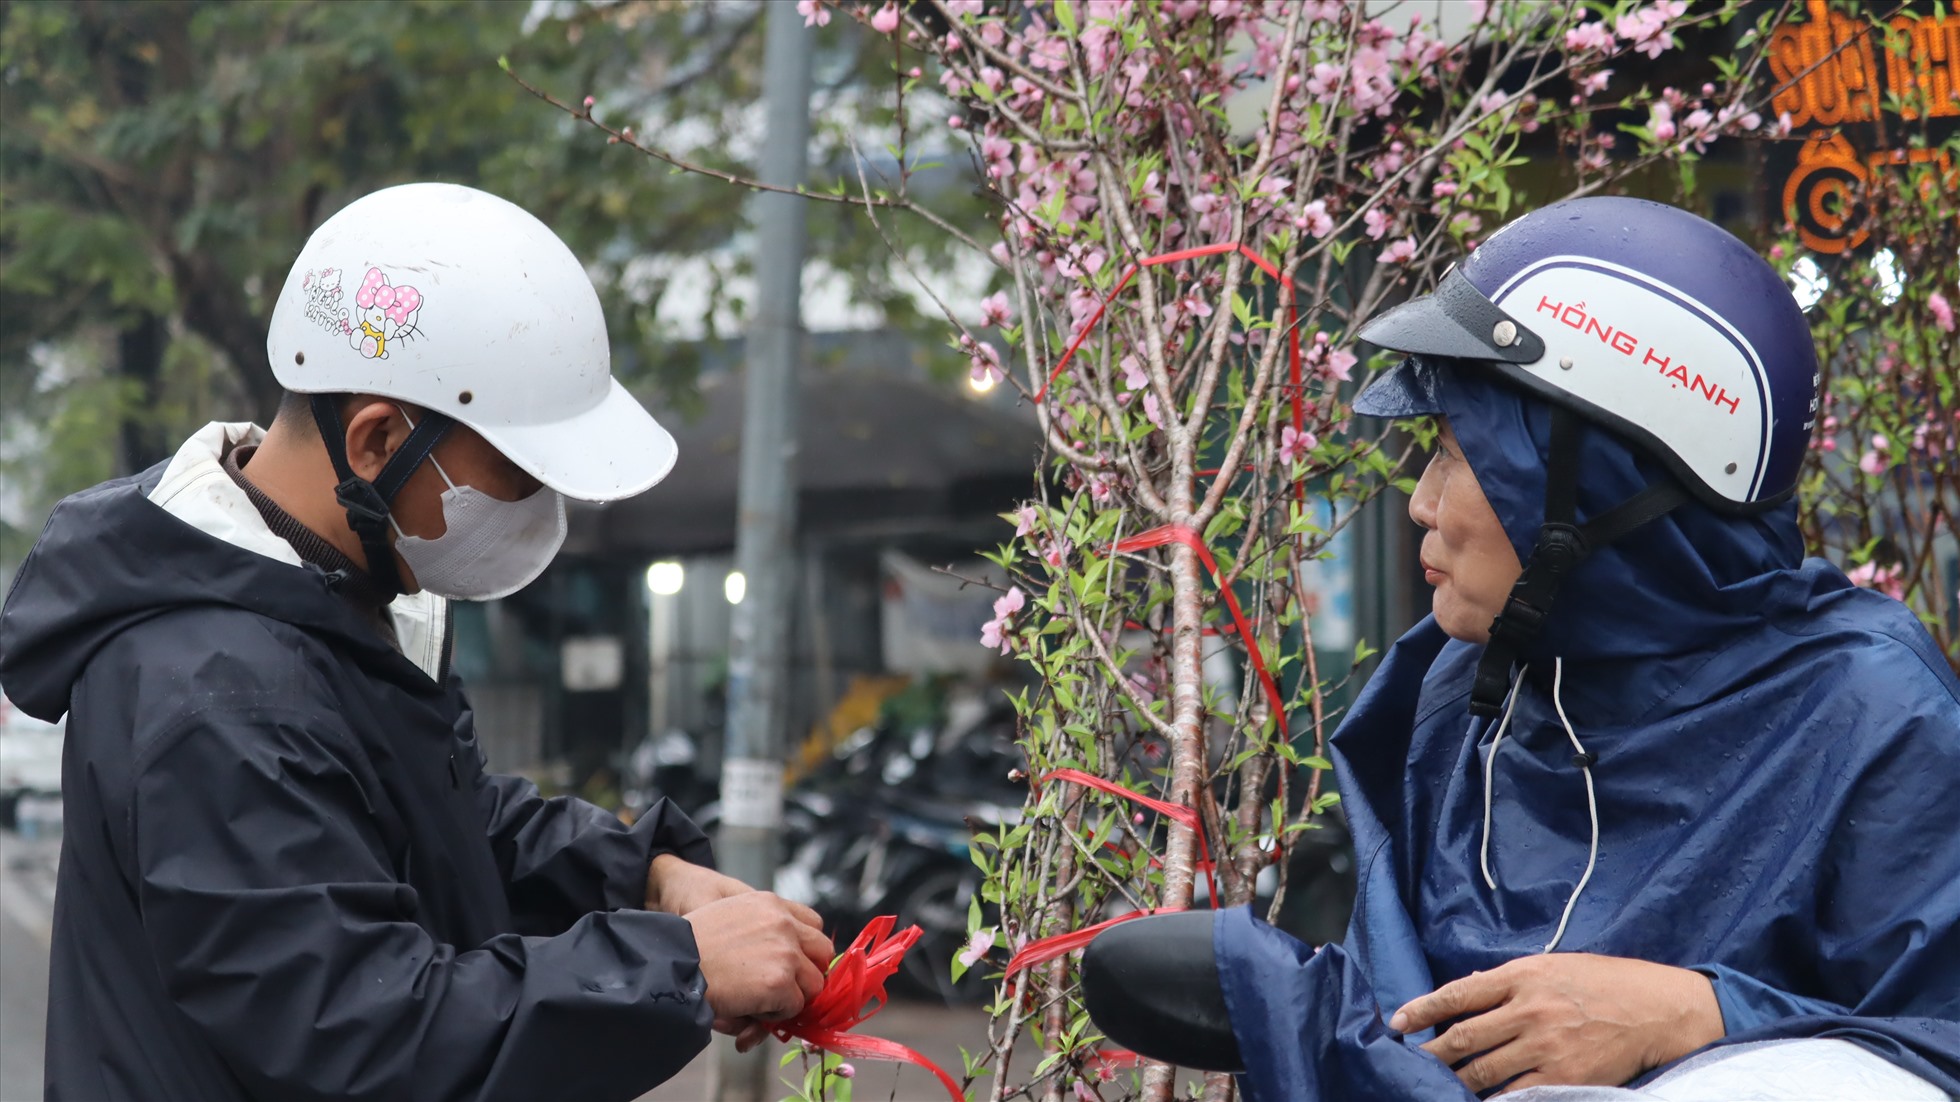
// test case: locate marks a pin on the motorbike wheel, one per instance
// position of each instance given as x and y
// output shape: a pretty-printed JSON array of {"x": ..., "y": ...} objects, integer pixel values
[{"x": 936, "y": 901}]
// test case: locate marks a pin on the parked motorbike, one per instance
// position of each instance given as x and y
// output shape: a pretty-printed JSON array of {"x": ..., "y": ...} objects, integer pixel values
[
  {"x": 907, "y": 801},
  {"x": 884, "y": 826},
  {"x": 670, "y": 765}
]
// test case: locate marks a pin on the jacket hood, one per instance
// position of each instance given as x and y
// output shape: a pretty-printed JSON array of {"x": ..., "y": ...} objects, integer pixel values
[
  {"x": 1672, "y": 589},
  {"x": 110, "y": 558}
]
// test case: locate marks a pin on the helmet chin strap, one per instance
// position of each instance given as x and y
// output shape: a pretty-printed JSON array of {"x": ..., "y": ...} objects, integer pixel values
[
  {"x": 367, "y": 503},
  {"x": 1561, "y": 546}
]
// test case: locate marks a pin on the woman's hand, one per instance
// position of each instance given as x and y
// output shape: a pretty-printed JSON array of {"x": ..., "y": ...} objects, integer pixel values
[{"x": 1566, "y": 1019}]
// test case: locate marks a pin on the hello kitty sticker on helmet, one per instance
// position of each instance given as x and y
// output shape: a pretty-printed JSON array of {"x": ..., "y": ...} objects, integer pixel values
[{"x": 384, "y": 314}]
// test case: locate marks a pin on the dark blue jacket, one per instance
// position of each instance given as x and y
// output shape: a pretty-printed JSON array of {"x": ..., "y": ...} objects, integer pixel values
[
  {"x": 285, "y": 871},
  {"x": 1778, "y": 784}
]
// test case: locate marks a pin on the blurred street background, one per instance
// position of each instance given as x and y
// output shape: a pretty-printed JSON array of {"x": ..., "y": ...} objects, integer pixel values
[
  {"x": 162, "y": 162},
  {"x": 26, "y": 914}
]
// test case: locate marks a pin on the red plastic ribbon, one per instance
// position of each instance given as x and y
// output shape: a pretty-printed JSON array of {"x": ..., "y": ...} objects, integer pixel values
[
  {"x": 1037, "y": 953},
  {"x": 1288, "y": 295},
  {"x": 1114, "y": 1058},
  {"x": 1176, "y": 812},
  {"x": 1264, "y": 265},
  {"x": 853, "y": 991},
  {"x": 1178, "y": 533}
]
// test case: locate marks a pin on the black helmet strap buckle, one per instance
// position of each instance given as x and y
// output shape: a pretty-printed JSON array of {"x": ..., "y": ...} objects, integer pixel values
[
  {"x": 1561, "y": 546},
  {"x": 367, "y": 503}
]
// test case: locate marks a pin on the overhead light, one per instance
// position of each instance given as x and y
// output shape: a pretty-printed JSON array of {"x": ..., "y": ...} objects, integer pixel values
[
  {"x": 734, "y": 587},
  {"x": 666, "y": 578},
  {"x": 981, "y": 383}
]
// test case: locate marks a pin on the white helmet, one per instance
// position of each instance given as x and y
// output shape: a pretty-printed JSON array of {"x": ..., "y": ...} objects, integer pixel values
[{"x": 463, "y": 303}]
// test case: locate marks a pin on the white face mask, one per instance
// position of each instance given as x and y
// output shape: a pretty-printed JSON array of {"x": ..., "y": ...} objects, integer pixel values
[{"x": 489, "y": 548}]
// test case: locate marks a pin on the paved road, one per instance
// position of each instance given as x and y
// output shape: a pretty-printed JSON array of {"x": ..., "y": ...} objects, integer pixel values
[{"x": 26, "y": 906}]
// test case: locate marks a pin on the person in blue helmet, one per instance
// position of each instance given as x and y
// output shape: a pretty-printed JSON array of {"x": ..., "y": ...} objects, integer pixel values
[{"x": 1647, "y": 784}]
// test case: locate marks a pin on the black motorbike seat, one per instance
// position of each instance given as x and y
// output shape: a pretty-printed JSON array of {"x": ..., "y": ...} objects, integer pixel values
[{"x": 1151, "y": 985}]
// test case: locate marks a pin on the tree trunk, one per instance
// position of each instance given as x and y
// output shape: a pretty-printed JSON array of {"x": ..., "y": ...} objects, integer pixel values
[
  {"x": 215, "y": 310},
  {"x": 139, "y": 363}
]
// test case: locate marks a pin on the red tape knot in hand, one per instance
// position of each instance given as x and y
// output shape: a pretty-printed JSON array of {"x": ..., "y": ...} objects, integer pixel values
[{"x": 853, "y": 991}]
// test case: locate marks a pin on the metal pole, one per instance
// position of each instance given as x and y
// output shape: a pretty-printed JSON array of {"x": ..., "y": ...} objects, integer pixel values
[
  {"x": 660, "y": 654},
  {"x": 752, "y": 775}
]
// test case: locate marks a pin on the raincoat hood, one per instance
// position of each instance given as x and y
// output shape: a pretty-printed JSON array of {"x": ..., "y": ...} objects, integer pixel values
[
  {"x": 1772, "y": 749},
  {"x": 111, "y": 558},
  {"x": 1672, "y": 590}
]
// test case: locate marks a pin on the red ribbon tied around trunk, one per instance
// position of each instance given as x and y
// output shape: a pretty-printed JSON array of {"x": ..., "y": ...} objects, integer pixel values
[
  {"x": 1178, "y": 533},
  {"x": 1287, "y": 296},
  {"x": 853, "y": 991},
  {"x": 1040, "y": 952},
  {"x": 1037, "y": 953},
  {"x": 1175, "y": 812}
]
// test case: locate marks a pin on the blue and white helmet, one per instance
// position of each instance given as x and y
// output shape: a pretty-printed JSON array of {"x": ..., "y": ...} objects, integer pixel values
[{"x": 1637, "y": 316}]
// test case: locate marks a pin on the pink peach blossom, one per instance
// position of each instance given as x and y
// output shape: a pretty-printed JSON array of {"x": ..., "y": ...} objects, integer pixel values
[
  {"x": 1591, "y": 36},
  {"x": 1314, "y": 219},
  {"x": 1294, "y": 444},
  {"x": 1942, "y": 311},
  {"x": 995, "y": 310}
]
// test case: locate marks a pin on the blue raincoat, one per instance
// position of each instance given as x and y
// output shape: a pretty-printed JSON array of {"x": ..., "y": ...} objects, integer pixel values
[{"x": 1778, "y": 787}]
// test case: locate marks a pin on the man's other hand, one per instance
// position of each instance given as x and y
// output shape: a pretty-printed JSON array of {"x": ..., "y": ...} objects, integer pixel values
[
  {"x": 763, "y": 958},
  {"x": 677, "y": 888},
  {"x": 1565, "y": 1019}
]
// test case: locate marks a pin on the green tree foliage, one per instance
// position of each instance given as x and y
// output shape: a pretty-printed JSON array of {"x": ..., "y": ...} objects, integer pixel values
[{"x": 162, "y": 161}]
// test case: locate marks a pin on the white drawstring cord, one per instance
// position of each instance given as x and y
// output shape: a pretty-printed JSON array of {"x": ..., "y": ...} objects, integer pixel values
[
  {"x": 1490, "y": 769},
  {"x": 1592, "y": 799},
  {"x": 1592, "y": 803}
]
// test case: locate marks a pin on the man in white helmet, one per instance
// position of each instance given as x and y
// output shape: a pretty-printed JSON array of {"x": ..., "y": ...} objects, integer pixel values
[{"x": 286, "y": 872}]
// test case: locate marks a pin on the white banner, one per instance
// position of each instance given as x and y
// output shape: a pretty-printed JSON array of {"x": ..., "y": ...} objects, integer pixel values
[
  {"x": 930, "y": 623},
  {"x": 752, "y": 792}
]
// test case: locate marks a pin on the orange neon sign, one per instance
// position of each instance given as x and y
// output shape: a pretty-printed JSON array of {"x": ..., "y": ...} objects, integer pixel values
[{"x": 1833, "y": 72}]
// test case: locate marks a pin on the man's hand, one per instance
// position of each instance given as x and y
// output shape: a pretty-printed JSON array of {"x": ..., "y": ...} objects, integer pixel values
[
  {"x": 1567, "y": 1019},
  {"x": 677, "y": 888},
  {"x": 763, "y": 957}
]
